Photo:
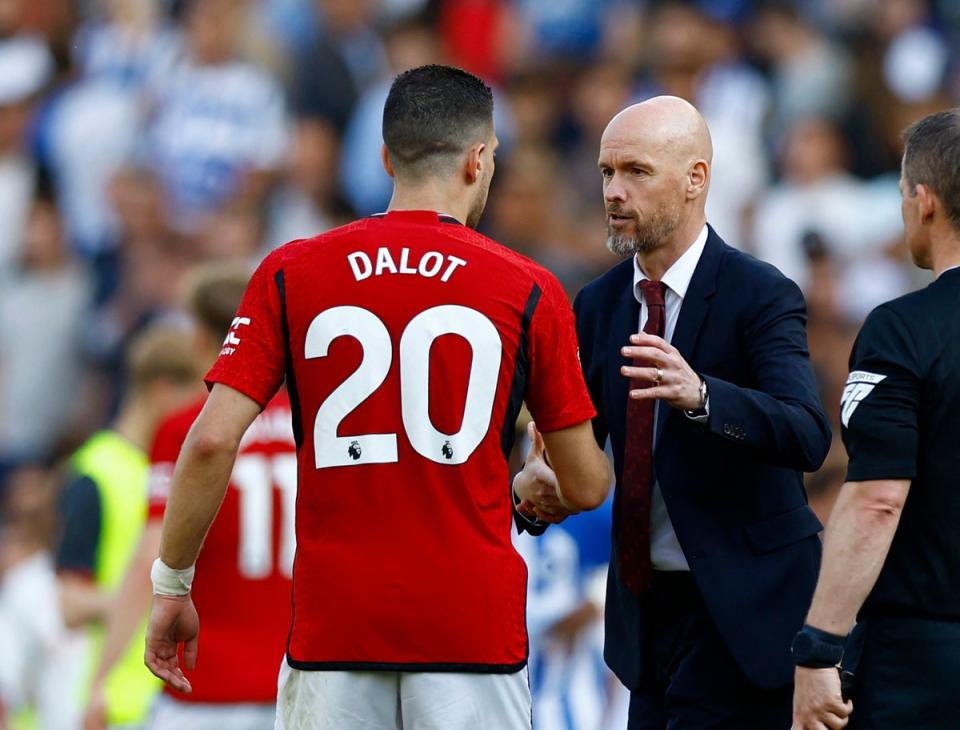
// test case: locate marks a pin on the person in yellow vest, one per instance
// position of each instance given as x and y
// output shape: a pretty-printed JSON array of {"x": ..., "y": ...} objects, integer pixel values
[{"x": 105, "y": 504}]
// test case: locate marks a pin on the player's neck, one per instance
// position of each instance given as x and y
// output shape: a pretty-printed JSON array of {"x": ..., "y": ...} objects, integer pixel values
[
  {"x": 135, "y": 424},
  {"x": 429, "y": 198}
]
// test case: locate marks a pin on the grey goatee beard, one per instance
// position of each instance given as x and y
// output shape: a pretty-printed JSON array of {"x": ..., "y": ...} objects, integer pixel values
[
  {"x": 621, "y": 245},
  {"x": 648, "y": 235}
]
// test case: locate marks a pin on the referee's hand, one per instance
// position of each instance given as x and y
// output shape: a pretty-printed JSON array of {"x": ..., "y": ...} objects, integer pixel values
[{"x": 817, "y": 702}]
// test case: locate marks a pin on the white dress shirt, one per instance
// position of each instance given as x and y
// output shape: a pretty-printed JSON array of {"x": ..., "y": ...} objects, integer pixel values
[{"x": 665, "y": 550}]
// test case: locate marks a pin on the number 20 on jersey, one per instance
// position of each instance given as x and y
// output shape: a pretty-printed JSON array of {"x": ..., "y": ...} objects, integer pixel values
[{"x": 415, "y": 343}]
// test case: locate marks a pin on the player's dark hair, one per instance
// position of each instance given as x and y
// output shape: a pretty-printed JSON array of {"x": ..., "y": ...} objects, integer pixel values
[
  {"x": 931, "y": 157},
  {"x": 213, "y": 294},
  {"x": 432, "y": 115}
]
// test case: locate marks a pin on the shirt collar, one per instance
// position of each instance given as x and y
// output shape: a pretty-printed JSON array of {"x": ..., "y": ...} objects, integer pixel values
[{"x": 677, "y": 277}]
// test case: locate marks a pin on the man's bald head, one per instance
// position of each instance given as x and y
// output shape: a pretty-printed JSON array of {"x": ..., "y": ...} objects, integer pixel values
[
  {"x": 655, "y": 160},
  {"x": 663, "y": 123}
]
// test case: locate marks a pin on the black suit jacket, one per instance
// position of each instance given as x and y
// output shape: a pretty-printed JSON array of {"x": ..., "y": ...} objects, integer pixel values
[{"x": 732, "y": 487}]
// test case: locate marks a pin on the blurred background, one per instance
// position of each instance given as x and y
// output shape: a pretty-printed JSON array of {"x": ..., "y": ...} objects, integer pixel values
[{"x": 140, "y": 138}]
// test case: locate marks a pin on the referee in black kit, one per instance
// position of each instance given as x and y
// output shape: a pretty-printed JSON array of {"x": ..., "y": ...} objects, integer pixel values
[{"x": 892, "y": 546}]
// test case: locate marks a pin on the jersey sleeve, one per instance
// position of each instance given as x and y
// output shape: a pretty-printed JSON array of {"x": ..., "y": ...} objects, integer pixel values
[
  {"x": 80, "y": 512},
  {"x": 880, "y": 402},
  {"x": 163, "y": 457},
  {"x": 253, "y": 358},
  {"x": 556, "y": 395}
]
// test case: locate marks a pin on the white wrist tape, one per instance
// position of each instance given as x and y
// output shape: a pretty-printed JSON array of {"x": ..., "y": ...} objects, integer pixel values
[{"x": 168, "y": 581}]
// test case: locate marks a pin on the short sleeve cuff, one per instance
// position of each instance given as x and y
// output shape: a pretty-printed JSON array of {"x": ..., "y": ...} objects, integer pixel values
[
  {"x": 253, "y": 390},
  {"x": 564, "y": 419},
  {"x": 877, "y": 470}
]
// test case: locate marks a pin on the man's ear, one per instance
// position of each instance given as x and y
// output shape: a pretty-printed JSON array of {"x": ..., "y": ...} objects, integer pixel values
[
  {"x": 697, "y": 178},
  {"x": 928, "y": 201},
  {"x": 387, "y": 165},
  {"x": 473, "y": 170}
]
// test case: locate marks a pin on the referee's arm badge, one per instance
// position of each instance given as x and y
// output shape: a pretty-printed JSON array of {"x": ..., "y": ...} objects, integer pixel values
[{"x": 859, "y": 385}]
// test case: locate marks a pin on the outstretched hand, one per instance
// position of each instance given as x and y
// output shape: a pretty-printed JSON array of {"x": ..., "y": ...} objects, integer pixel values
[
  {"x": 537, "y": 485},
  {"x": 173, "y": 621}
]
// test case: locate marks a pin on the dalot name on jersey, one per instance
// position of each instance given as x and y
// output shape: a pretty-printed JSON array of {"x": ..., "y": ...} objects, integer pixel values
[{"x": 429, "y": 264}]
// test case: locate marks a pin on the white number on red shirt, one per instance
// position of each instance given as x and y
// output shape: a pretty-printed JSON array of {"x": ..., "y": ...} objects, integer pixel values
[
  {"x": 415, "y": 343},
  {"x": 256, "y": 476},
  {"x": 372, "y": 334}
]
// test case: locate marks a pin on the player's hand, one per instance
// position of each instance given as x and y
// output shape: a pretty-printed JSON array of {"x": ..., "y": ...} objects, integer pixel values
[
  {"x": 679, "y": 385},
  {"x": 173, "y": 621},
  {"x": 817, "y": 702},
  {"x": 95, "y": 716},
  {"x": 537, "y": 484}
]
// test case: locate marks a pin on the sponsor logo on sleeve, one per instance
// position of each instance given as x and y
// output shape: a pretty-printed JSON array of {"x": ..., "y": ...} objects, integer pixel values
[
  {"x": 233, "y": 337},
  {"x": 860, "y": 384}
]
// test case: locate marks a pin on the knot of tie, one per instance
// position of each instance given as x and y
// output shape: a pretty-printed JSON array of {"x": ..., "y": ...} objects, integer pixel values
[{"x": 653, "y": 292}]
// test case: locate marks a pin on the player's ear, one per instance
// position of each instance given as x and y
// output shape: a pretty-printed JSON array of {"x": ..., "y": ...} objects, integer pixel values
[
  {"x": 387, "y": 165},
  {"x": 474, "y": 162},
  {"x": 927, "y": 202}
]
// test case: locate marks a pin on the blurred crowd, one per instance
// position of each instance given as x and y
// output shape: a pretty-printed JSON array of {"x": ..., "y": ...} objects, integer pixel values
[{"x": 140, "y": 138}]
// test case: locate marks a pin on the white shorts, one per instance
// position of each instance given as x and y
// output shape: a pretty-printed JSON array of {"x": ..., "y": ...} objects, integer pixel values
[
  {"x": 402, "y": 701},
  {"x": 169, "y": 714}
]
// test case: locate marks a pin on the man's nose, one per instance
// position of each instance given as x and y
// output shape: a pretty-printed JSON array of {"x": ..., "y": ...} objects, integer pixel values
[{"x": 614, "y": 190}]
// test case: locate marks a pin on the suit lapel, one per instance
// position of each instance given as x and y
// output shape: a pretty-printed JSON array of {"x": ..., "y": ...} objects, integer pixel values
[{"x": 695, "y": 306}]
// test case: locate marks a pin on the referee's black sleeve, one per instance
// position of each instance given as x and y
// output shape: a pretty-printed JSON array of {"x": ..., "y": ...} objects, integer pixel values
[{"x": 878, "y": 410}]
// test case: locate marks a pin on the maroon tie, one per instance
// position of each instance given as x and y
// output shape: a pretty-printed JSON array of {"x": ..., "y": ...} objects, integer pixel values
[{"x": 634, "y": 514}]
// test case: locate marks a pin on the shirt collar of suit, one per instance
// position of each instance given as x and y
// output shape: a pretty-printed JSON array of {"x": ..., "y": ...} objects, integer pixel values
[{"x": 677, "y": 277}]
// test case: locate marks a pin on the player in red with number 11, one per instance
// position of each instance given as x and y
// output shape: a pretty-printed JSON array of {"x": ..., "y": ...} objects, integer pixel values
[{"x": 408, "y": 343}]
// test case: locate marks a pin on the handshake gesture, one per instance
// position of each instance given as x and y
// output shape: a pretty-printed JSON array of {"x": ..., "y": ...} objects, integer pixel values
[{"x": 537, "y": 486}]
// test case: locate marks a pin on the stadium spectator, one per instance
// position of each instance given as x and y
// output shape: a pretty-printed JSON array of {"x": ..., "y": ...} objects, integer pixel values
[
  {"x": 338, "y": 66},
  {"x": 819, "y": 200},
  {"x": 91, "y": 128},
  {"x": 810, "y": 74},
  {"x": 42, "y": 666},
  {"x": 104, "y": 509},
  {"x": 535, "y": 217},
  {"x": 890, "y": 559},
  {"x": 25, "y": 68},
  {"x": 306, "y": 200},
  {"x": 416, "y": 620},
  {"x": 219, "y": 134},
  {"x": 43, "y": 302},
  {"x": 712, "y": 413},
  {"x": 366, "y": 186},
  {"x": 248, "y": 556}
]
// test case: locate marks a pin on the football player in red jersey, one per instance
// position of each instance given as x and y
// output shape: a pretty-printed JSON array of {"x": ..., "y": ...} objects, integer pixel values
[
  {"x": 408, "y": 343},
  {"x": 248, "y": 555}
]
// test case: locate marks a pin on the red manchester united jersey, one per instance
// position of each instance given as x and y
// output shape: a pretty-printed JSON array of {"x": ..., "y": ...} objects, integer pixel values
[
  {"x": 408, "y": 342},
  {"x": 242, "y": 591}
]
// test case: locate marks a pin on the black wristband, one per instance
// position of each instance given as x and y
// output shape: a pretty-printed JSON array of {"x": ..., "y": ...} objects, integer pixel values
[{"x": 814, "y": 648}]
